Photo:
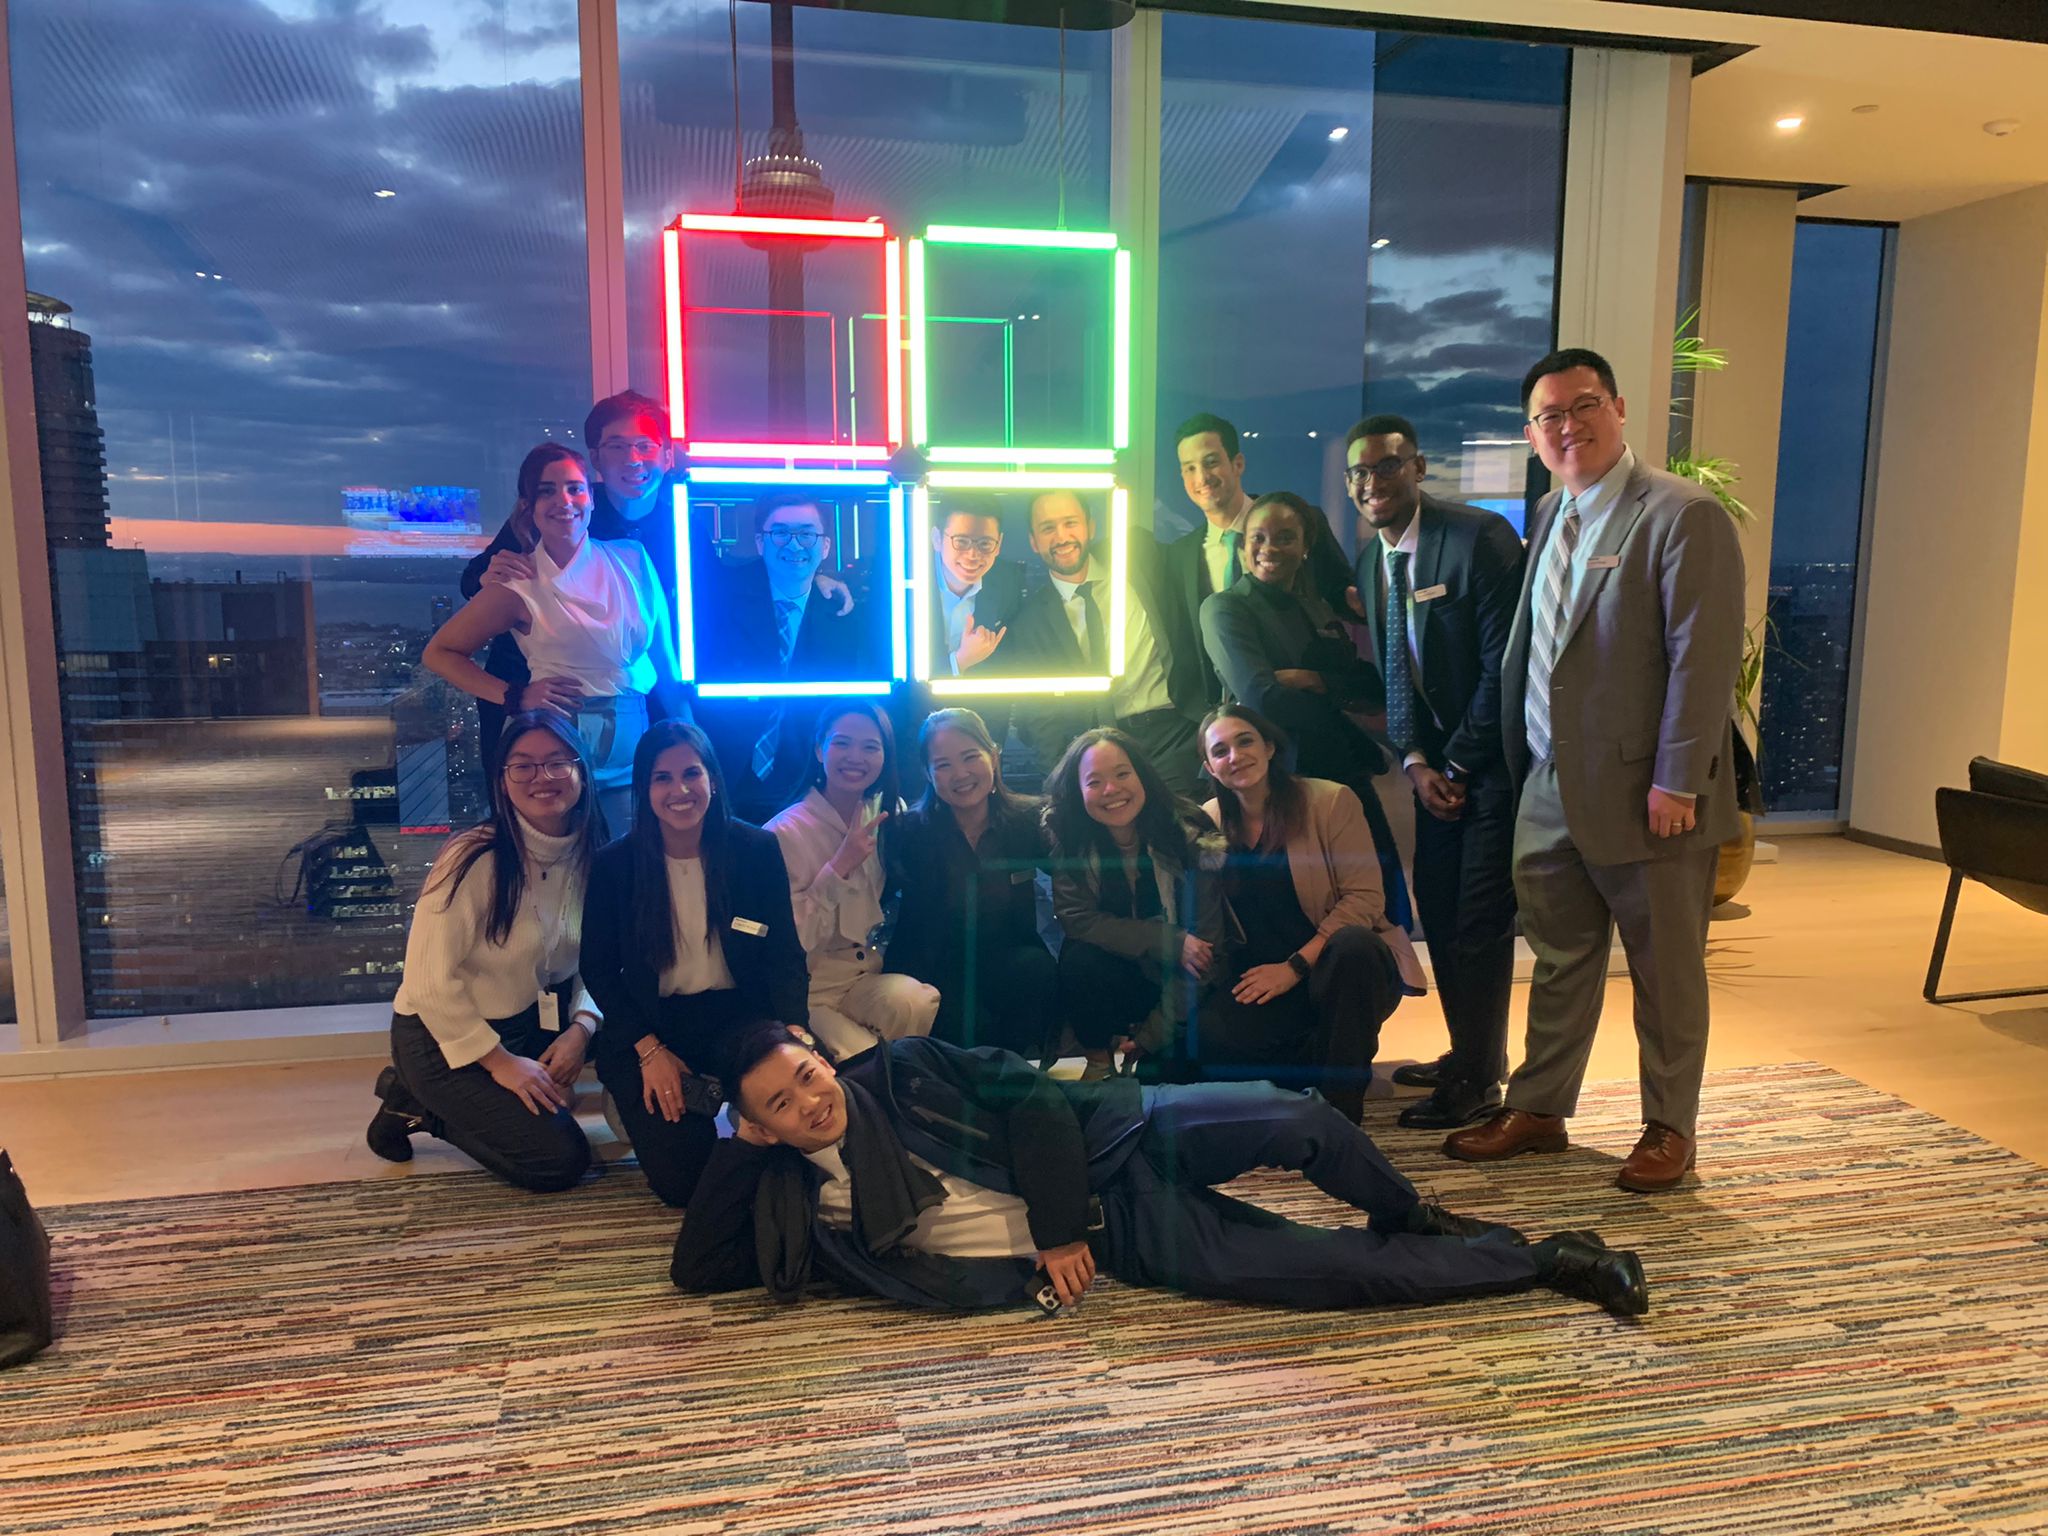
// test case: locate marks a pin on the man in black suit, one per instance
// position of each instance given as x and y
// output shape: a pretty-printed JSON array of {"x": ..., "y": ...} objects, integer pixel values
[
  {"x": 1437, "y": 584},
  {"x": 972, "y": 601},
  {"x": 1210, "y": 559},
  {"x": 1062, "y": 629},
  {"x": 764, "y": 619}
]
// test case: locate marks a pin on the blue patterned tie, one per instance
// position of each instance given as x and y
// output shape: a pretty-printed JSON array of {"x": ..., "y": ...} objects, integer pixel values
[
  {"x": 1551, "y": 608},
  {"x": 1394, "y": 657},
  {"x": 771, "y": 738}
]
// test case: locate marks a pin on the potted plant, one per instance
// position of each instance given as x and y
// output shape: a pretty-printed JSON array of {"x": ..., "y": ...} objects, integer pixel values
[{"x": 1690, "y": 354}]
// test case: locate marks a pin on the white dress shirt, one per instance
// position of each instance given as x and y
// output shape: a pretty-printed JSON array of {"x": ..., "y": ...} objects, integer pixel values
[
  {"x": 1216, "y": 547},
  {"x": 957, "y": 608},
  {"x": 973, "y": 1222},
  {"x": 700, "y": 956},
  {"x": 1143, "y": 685}
]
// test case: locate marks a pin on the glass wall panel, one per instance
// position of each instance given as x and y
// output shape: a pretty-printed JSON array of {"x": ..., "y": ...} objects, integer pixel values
[
  {"x": 309, "y": 280},
  {"x": 1830, "y": 368},
  {"x": 1355, "y": 222}
]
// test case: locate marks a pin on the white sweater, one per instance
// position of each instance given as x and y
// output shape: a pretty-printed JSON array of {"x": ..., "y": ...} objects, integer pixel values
[{"x": 456, "y": 980}]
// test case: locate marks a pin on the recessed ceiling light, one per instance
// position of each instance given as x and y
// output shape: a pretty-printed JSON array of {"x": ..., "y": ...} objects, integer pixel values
[
  {"x": 1311, "y": 434},
  {"x": 1339, "y": 134},
  {"x": 386, "y": 192},
  {"x": 1868, "y": 106},
  {"x": 1382, "y": 243},
  {"x": 1790, "y": 124}
]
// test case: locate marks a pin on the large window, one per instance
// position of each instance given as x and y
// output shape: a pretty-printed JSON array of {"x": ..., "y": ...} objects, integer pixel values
[
  {"x": 1830, "y": 368},
  {"x": 310, "y": 279},
  {"x": 1355, "y": 222}
]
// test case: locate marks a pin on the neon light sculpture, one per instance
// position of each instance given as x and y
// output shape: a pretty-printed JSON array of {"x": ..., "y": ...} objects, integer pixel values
[
  {"x": 826, "y": 482},
  {"x": 849, "y": 235},
  {"x": 922, "y": 576}
]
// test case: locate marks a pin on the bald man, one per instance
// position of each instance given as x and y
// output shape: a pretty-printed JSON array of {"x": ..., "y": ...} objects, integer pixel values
[{"x": 1062, "y": 630}]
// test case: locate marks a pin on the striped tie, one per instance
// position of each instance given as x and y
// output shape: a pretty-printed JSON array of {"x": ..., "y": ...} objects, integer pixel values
[{"x": 1552, "y": 605}]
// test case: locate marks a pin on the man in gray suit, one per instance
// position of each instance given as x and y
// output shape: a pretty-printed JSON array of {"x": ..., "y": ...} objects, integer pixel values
[{"x": 1617, "y": 693}]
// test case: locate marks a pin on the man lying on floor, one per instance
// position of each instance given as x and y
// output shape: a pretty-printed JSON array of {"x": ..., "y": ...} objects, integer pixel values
[{"x": 954, "y": 1178}]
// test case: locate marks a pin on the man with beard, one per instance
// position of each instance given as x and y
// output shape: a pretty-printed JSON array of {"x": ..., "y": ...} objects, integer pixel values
[{"x": 1062, "y": 629}]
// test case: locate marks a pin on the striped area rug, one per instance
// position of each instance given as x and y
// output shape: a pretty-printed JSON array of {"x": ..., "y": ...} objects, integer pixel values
[{"x": 1850, "y": 1334}]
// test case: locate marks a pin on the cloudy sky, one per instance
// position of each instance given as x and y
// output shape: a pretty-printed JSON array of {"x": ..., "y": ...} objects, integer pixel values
[{"x": 200, "y": 182}]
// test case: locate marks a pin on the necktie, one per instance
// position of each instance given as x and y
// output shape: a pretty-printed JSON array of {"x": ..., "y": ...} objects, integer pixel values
[
  {"x": 1234, "y": 568},
  {"x": 771, "y": 738},
  {"x": 1098, "y": 636},
  {"x": 1552, "y": 607},
  {"x": 1394, "y": 657}
]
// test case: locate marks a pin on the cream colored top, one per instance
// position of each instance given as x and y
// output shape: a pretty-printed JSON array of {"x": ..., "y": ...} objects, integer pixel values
[
  {"x": 700, "y": 957},
  {"x": 593, "y": 621}
]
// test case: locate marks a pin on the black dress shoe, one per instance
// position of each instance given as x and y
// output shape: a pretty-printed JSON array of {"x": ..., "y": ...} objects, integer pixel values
[
  {"x": 1455, "y": 1102},
  {"x": 1428, "y": 1220},
  {"x": 1423, "y": 1074},
  {"x": 391, "y": 1128},
  {"x": 1579, "y": 1264}
]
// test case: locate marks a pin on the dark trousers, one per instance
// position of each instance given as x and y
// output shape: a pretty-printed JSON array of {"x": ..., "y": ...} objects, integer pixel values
[
  {"x": 1169, "y": 739},
  {"x": 1465, "y": 891},
  {"x": 1323, "y": 1034},
  {"x": 1164, "y": 1225},
  {"x": 465, "y": 1107},
  {"x": 672, "y": 1153},
  {"x": 1103, "y": 995},
  {"x": 1007, "y": 997}
]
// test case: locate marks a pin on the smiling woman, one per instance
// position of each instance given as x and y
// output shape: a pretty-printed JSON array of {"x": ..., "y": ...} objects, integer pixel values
[{"x": 269, "y": 401}]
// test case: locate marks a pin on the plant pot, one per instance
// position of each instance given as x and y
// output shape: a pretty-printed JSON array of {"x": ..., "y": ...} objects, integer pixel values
[{"x": 1737, "y": 855}]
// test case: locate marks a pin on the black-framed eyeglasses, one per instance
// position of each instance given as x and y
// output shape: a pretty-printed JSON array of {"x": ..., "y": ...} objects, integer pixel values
[
  {"x": 639, "y": 447},
  {"x": 556, "y": 768},
  {"x": 967, "y": 544},
  {"x": 1386, "y": 469},
  {"x": 802, "y": 538},
  {"x": 1585, "y": 408}
]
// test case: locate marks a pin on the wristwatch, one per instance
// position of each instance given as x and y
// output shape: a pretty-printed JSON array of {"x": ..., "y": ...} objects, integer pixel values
[
  {"x": 1453, "y": 774},
  {"x": 1298, "y": 965}
]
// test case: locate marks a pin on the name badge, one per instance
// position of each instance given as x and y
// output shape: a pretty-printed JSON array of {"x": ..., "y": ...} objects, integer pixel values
[
  {"x": 748, "y": 925},
  {"x": 551, "y": 1013},
  {"x": 1603, "y": 562},
  {"x": 1427, "y": 593},
  {"x": 1021, "y": 876}
]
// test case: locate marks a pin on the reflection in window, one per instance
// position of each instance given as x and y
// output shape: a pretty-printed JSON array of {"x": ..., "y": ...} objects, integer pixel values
[
  {"x": 281, "y": 396},
  {"x": 1355, "y": 222},
  {"x": 1830, "y": 366}
]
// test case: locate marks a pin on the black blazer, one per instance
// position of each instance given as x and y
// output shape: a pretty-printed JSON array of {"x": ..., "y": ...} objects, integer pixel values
[
  {"x": 1185, "y": 587},
  {"x": 768, "y": 967},
  {"x": 1002, "y": 589},
  {"x": 931, "y": 868},
  {"x": 1476, "y": 557},
  {"x": 1253, "y": 631}
]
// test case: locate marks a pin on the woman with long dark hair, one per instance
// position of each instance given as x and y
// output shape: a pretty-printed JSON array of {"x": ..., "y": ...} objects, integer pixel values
[
  {"x": 1281, "y": 650},
  {"x": 489, "y": 1028},
  {"x": 830, "y": 840},
  {"x": 1134, "y": 887},
  {"x": 593, "y": 622},
  {"x": 690, "y": 940},
  {"x": 1318, "y": 965},
  {"x": 965, "y": 862}
]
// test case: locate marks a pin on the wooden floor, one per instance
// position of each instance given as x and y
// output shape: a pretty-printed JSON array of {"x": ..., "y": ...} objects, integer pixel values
[{"x": 1820, "y": 959}]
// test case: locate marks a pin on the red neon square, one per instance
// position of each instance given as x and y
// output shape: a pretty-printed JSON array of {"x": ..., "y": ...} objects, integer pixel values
[{"x": 784, "y": 338}]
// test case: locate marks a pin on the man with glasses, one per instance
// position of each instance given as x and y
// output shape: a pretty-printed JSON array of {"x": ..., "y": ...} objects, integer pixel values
[
  {"x": 1437, "y": 584},
  {"x": 1618, "y": 688},
  {"x": 977, "y": 591},
  {"x": 763, "y": 620}
]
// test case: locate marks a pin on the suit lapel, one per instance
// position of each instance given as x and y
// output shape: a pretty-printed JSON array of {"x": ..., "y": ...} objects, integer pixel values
[
  {"x": 1429, "y": 554},
  {"x": 1614, "y": 532}
]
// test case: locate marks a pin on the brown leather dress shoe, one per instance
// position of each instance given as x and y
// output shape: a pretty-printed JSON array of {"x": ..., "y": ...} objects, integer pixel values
[
  {"x": 1508, "y": 1134},
  {"x": 1661, "y": 1160}
]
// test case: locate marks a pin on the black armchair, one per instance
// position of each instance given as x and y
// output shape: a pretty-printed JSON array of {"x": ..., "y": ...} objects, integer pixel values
[{"x": 1996, "y": 832}]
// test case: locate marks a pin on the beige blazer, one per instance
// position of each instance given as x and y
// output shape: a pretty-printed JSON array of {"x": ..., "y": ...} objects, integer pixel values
[{"x": 1337, "y": 871}]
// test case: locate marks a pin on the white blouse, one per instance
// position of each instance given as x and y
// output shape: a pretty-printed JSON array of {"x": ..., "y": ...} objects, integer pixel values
[
  {"x": 831, "y": 913},
  {"x": 456, "y": 980},
  {"x": 593, "y": 621},
  {"x": 700, "y": 956}
]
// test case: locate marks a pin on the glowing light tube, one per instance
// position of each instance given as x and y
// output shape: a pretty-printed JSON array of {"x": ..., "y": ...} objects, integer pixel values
[
  {"x": 1119, "y": 587},
  {"x": 921, "y": 579},
  {"x": 1120, "y": 355},
  {"x": 892, "y": 347},
  {"x": 899, "y": 584},
  {"x": 747, "y": 224},
  {"x": 1021, "y": 456},
  {"x": 1027, "y": 239},
  {"x": 794, "y": 453},
  {"x": 866, "y": 688},
  {"x": 920, "y": 423},
  {"x": 718, "y": 474},
  {"x": 686, "y": 602}
]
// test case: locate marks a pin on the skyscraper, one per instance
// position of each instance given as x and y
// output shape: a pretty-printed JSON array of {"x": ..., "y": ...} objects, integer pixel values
[{"x": 70, "y": 445}]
